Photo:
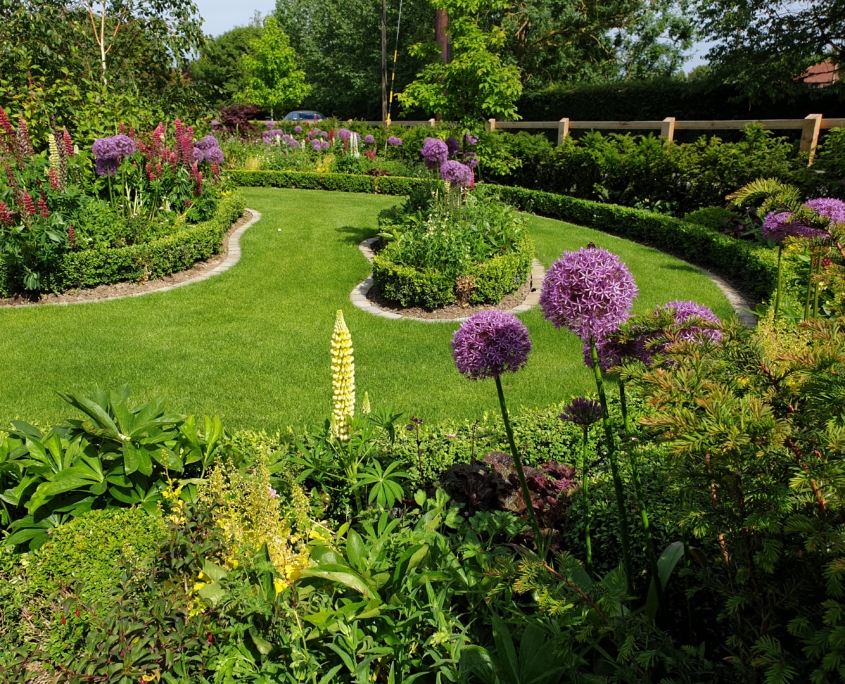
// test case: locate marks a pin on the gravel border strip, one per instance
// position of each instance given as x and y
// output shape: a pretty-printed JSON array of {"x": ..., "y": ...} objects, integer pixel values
[
  {"x": 359, "y": 294},
  {"x": 233, "y": 255}
]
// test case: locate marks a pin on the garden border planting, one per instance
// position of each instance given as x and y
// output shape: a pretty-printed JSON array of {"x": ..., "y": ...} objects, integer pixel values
[
  {"x": 233, "y": 256},
  {"x": 359, "y": 298},
  {"x": 751, "y": 267},
  {"x": 155, "y": 259}
]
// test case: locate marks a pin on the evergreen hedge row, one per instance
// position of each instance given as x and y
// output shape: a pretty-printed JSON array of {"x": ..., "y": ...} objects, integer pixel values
[
  {"x": 750, "y": 267},
  {"x": 151, "y": 260}
]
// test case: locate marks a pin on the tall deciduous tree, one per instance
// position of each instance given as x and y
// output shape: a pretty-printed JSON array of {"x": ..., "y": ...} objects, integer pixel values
[
  {"x": 219, "y": 71},
  {"x": 475, "y": 83},
  {"x": 272, "y": 79},
  {"x": 765, "y": 45}
]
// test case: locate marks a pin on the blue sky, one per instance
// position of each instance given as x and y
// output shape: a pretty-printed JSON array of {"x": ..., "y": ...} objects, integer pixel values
[{"x": 221, "y": 15}]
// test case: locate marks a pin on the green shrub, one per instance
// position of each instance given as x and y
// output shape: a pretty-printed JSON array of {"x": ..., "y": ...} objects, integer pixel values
[
  {"x": 411, "y": 286},
  {"x": 710, "y": 217},
  {"x": 339, "y": 182}
]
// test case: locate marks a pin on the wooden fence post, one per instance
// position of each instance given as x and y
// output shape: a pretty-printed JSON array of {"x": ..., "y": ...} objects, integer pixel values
[
  {"x": 562, "y": 131},
  {"x": 810, "y": 135},
  {"x": 667, "y": 128},
  {"x": 491, "y": 125}
]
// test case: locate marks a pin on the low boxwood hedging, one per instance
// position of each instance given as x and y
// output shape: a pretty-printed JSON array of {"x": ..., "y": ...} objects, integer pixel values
[
  {"x": 155, "y": 259},
  {"x": 433, "y": 289},
  {"x": 339, "y": 182},
  {"x": 751, "y": 267}
]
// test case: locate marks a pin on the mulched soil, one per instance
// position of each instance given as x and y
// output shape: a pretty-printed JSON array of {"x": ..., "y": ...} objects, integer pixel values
[
  {"x": 118, "y": 290},
  {"x": 449, "y": 312}
]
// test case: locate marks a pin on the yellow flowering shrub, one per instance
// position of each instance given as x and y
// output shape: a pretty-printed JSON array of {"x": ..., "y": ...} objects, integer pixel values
[{"x": 251, "y": 514}]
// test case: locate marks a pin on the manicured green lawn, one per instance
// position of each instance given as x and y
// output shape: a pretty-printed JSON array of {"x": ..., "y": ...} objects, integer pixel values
[{"x": 252, "y": 345}]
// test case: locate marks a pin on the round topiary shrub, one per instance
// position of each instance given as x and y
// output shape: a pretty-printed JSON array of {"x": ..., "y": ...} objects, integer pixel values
[{"x": 474, "y": 252}]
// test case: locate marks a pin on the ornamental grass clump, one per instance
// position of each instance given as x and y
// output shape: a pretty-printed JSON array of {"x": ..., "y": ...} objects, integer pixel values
[
  {"x": 343, "y": 379},
  {"x": 584, "y": 412},
  {"x": 487, "y": 345},
  {"x": 591, "y": 293}
]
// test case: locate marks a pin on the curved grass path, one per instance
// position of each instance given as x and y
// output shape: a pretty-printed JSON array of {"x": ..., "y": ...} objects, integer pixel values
[{"x": 251, "y": 344}]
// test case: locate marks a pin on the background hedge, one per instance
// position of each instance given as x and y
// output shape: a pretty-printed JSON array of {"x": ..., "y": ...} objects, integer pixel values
[
  {"x": 655, "y": 100},
  {"x": 750, "y": 267}
]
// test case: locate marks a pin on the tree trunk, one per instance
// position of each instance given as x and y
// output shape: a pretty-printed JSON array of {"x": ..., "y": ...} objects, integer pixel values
[{"x": 384, "y": 60}]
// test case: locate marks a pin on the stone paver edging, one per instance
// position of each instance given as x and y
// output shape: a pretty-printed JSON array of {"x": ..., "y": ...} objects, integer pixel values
[
  {"x": 538, "y": 272},
  {"x": 233, "y": 255},
  {"x": 359, "y": 294}
]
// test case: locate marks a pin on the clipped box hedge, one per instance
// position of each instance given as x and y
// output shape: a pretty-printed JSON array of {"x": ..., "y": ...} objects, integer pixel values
[
  {"x": 432, "y": 289},
  {"x": 154, "y": 259},
  {"x": 751, "y": 268}
]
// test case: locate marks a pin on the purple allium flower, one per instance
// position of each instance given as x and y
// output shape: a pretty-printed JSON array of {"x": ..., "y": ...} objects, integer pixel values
[
  {"x": 582, "y": 411},
  {"x": 828, "y": 207},
  {"x": 394, "y": 141},
  {"x": 124, "y": 145},
  {"x": 344, "y": 133},
  {"x": 270, "y": 136},
  {"x": 490, "y": 343},
  {"x": 471, "y": 159},
  {"x": 207, "y": 143},
  {"x": 297, "y": 129},
  {"x": 613, "y": 352},
  {"x": 470, "y": 140},
  {"x": 316, "y": 144},
  {"x": 369, "y": 139},
  {"x": 456, "y": 173},
  {"x": 104, "y": 148},
  {"x": 214, "y": 156},
  {"x": 779, "y": 226},
  {"x": 453, "y": 145},
  {"x": 325, "y": 145},
  {"x": 215, "y": 124},
  {"x": 324, "y": 134},
  {"x": 434, "y": 152},
  {"x": 106, "y": 166},
  {"x": 690, "y": 311},
  {"x": 269, "y": 124},
  {"x": 589, "y": 292},
  {"x": 198, "y": 154}
]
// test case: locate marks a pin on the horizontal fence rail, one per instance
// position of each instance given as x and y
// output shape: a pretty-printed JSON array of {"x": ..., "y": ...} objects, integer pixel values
[{"x": 810, "y": 127}]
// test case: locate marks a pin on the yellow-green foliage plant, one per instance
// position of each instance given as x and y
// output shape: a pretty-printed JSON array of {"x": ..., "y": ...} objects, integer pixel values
[{"x": 343, "y": 379}]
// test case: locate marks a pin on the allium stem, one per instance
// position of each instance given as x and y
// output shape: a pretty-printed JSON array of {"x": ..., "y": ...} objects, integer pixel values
[
  {"x": 614, "y": 470},
  {"x": 780, "y": 281},
  {"x": 585, "y": 492},
  {"x": 638, "y": 491},
  {"x": 810, "y": 285},
  {"x": 526, "y": 494}
]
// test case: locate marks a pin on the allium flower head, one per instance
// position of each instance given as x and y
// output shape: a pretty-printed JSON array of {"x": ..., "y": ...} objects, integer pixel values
[
  {"x": 198, "y": 154},
  {"x": 124, "y": 145},
  {"x": 470, "y": 140},
  {"x": 589, "y": 292},
  {"x": 344, "y": 133},
  {"x": 107, "y": 166},
  {"x": 456, "y": 173},
  {"x": 453, "y": 145},
  {"x": 490, "y": 343},
  {"x": 434, "y": 152},
  {"x": 214, "y": 156},
  {"x": 613, "y": 352},
  {"x": 582, "y": 411},
  {"x": 297, "y": 129},
  {"x": 689, "y": 311},
  {"x": 393, "y": 141},
  {"x": 316, "y": 144},
  {"x": 104, "y": 148},
  {"x": 471, "y": 159},
  {"x": 779, "y": 226},
  {"x": 343, "y": 378},
  {"x": 207, "y": 143},
  {"x": 828, "y": 207},
  {"x": 369, "y": 139}
]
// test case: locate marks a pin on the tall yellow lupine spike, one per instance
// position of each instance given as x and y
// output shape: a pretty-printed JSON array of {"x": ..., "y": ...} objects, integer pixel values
[{"x": 343, "y": 378}]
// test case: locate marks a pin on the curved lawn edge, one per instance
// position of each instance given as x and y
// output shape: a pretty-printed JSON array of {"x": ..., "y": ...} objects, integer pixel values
[
  {"x": 723, "y": 259},
  {"x": 233, "y": 256}
]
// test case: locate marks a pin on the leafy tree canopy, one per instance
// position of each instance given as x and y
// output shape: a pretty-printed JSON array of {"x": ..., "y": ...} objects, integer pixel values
[
  {"x": 272, "y": 80},
  {"x": 765, "y": 45},
  {"x": 219, "y": 71}
]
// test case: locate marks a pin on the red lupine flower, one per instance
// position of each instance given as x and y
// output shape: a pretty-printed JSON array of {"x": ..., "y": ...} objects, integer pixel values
[
  {"x": 54, "y": 180},
  {"x": 71, "y": 236},
  {"x": 121, "y": 128},
  {"x": 67, "y": 142},
  {"x": 210, "y": 639},
  {"x": 24, "y": 141},
  {"x": 158, "y": 170},
  {"x": 28, "y": 204},
  {"x": 42, "y": 207},
  {"x": 6, "y": 125},
  {"x": 827, "y": 262},
  {"x": 64, "y": 620},
  {"x": 6, "y": 217}
]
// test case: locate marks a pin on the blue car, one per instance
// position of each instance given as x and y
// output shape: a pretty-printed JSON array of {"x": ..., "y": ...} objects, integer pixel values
[{"x": 304, "y": 115}]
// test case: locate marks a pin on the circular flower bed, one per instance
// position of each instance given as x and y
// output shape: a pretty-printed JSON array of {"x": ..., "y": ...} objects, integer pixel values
[{"x": 465, "y": 251}]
